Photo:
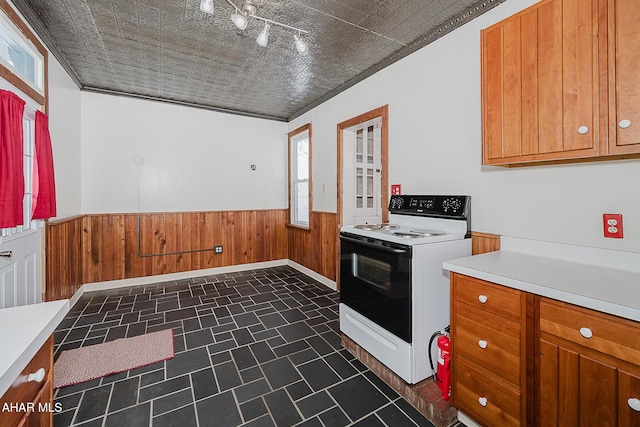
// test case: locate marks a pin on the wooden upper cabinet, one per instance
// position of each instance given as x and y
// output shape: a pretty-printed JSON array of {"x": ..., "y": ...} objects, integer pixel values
[
  {"x": 624, "y": 77},
  {"x": 540, "y": 98}
]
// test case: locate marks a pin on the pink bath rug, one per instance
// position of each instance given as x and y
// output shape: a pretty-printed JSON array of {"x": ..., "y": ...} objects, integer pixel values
[{"x": 95, "y": 361}]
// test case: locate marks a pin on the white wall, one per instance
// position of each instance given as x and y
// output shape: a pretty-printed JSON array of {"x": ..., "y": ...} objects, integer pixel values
[
  {"x": 194, "y": 159},
  {"x": 435, "y": 147},
  {"x": 64, "y": 127}
]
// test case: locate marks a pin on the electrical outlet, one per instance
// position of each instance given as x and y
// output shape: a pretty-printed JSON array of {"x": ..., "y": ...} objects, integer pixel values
[
  {"x": 612, "y": 224},
  {"x": 396, "y": 189},
  {"x": 217, "y": 249}
]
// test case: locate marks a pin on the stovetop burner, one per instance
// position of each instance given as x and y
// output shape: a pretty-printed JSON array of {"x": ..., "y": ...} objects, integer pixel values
[
  {"x": 408, "y": 235},
  {"x": 368, "y": 227},
  {"x": 373, "y": 227},
  {"x": 389, "y": 226},
  {"x": 428, "y": 233}
]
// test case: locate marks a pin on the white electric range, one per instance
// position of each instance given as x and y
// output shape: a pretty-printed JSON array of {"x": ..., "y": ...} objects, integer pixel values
[{"x": 394, "y": 293}]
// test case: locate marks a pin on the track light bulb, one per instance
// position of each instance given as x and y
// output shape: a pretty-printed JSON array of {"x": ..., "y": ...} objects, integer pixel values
[
  {"x": 206, "y": 6},
  {"x": 301, "y": 46},
  {"x": 263, "y": 37},
  {"x": 240, "y": 21}
]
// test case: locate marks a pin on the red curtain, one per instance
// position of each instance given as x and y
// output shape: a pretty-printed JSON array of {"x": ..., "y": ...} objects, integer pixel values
[
  {"x": 44, "y": 185},
  {"x": 11, "y": 160}
]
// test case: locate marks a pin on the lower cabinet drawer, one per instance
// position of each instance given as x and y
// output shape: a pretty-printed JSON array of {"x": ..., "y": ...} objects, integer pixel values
[
  {"x": 485, "y": 343},
  {"x": 480, "y": 396},
  {"x": 25, "y": 392},
  {"x": 608, "y": 334}
]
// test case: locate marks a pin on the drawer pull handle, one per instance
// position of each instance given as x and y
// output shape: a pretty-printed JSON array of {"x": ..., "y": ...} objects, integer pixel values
[
  {"x": 586, "y": 332},
  {"x": 482, "y": 298},
  {"x": 624, "y": 123},
  {"x": 634, "y": 404},
  {"x": 482, "y": 401},
  {"x": 583, "y": 129},
  {"x": 36, "y": 376},
  {"x": 482, "y": 344}
]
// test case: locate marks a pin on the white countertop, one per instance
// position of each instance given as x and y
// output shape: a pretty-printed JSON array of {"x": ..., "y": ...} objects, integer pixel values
[
  {"x": 600, "y": 279},
  {"x": 23, "y": 332}
]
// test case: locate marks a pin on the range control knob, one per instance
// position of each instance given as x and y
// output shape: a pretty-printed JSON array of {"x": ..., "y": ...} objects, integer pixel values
[
  {"x": 453, "y": 204},
  {"x": 397, "y": 202}
]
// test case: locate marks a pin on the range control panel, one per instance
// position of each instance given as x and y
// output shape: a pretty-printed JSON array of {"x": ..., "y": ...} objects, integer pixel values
[{"x": 454, "y": 207}]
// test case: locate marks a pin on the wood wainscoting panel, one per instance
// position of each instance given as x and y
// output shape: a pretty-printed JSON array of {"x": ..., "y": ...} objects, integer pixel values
[
  {"x": 484, "y": 242},
  {"x": 96, "y": 248},
  {"x": 317, "y": 247},
  {"x": 63, "y": 258}
]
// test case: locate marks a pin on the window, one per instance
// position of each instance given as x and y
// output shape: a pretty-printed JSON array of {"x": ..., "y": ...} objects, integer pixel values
[
  {"x": 29, "y": 224},
  {"x": 19, "y": 55},
  {"x": 300, "y": 176},
  {"x": 23, "y": 66}
]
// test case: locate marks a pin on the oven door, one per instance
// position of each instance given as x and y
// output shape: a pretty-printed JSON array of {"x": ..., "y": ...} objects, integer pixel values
[{"x": 375, "y": 281}]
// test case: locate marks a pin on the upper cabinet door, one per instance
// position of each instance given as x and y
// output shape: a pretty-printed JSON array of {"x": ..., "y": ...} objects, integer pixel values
[
  {"x": 539, "y": 84},
  {"x": 624, "y": 76}
]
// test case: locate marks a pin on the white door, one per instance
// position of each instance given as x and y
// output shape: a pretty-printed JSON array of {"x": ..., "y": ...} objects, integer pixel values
[
  {"x": 21, "y": 273},
  {"x": 362, "y": 174},
  {"x": 21, "y": 247}
]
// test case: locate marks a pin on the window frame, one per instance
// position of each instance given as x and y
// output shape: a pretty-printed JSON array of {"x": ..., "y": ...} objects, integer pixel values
[
  {"x": 8, "y": 73},
  {"x": 293, "y": 137},
  {"x": 35, "y": 100}
]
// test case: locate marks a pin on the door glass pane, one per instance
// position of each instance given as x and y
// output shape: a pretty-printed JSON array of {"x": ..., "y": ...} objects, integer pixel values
[
  {"x": 359, "y": 146},
  {"x": 370, "y": 145}
]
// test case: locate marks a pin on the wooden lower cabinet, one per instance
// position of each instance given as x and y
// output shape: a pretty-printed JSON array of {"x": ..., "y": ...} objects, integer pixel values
[
  {"x": 30, "y": 403},
  {"x": 542, "y": 363},
  {"x": 585, "y": 373},
  {"x": 488, "y": 339}
]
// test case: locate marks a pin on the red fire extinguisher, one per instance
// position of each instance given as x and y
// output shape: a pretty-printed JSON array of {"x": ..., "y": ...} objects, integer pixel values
[{"x": 443, "y": 375}]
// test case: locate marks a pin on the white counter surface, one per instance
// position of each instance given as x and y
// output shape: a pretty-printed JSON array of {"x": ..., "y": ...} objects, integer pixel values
[
  {"x": 23, "y": 331},
  {"x": 603, "y": 280}
]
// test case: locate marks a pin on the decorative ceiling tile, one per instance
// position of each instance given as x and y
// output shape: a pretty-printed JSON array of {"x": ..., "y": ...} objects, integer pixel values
[{"x": 169, "y": 49}]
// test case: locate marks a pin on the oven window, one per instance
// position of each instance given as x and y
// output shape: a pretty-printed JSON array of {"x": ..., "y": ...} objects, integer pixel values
[
  {"x": 375, "y": 281},
  {"x": 373, "y": 271}
]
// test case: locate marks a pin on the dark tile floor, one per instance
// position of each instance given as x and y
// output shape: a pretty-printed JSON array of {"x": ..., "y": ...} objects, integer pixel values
[{"x": 256, "y": 348}]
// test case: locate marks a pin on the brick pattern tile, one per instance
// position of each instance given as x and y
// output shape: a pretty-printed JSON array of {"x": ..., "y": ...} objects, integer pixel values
[{"x": 259, "y": 347}]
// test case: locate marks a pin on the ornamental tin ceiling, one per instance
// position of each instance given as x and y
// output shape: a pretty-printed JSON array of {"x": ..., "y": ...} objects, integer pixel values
[{"x": 171, "y": 51}]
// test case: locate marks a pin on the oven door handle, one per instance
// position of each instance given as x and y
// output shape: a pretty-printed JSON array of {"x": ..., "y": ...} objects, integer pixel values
[{"x": 373, "y": 245}]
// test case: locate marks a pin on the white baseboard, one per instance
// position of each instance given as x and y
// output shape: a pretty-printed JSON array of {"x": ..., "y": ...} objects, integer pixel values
[
  {"x": 467, "y": 421},
  {"x": 316, "y": 276},
  {"x": 147, "y": 280}
]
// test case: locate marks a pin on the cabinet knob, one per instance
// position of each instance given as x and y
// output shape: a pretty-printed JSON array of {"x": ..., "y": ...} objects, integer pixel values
[
  {"x": 482, "y": 344},
  {"x": 482, "y": 298},
  {"x": 482, "y": 401},
  {"x": 586, "y": 332},
  {"x": 634, "y": 404},
  {"x": 36, "y": 376},
  {"x": 623, "y": 124},
  {"x": 583, "y": 129}
]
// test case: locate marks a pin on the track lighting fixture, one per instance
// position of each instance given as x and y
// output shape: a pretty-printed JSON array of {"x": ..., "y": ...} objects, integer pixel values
[
  {"x": 206, "y": 6},
  {"x": 301, "y": 46},
  {"x": 249, "y": 8},
  {"x": 240, "y": 21},
  {"x": 263, "y": 37}
]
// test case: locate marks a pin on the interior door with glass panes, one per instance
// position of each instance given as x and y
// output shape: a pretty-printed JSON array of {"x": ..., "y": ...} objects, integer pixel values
[
  {"x": 21, "y": 246},
  {"x": 367, "y": 179}
]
